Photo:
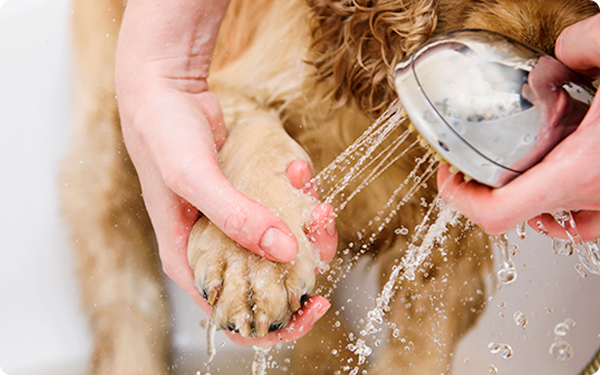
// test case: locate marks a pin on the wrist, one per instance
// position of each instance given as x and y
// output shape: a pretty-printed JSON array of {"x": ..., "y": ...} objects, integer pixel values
[{"x": 170, "y": 39}]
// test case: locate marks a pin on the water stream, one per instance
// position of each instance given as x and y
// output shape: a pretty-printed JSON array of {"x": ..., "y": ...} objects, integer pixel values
[{"x": 358, "y": 166}]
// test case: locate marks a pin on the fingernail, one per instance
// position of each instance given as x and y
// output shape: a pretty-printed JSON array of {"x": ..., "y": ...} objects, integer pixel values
[
  {"x": 330, "y": 217},
  {"x": 330, "y": 227},
  {"x": 305, "y": 179},
  {"x": 279, "y": 245},
  {"x": 320, "y": 310}
]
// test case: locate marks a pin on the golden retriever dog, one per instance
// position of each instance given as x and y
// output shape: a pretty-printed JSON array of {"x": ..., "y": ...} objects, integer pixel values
[{"x": 297, "y": 80}]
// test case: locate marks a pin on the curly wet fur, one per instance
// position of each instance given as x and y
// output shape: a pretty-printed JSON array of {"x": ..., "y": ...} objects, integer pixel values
[
  {"x": 359, "y": 43},
  {"x": 320, "y": 70}
]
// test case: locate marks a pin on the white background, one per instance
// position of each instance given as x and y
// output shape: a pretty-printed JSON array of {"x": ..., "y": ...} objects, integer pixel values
[{"x": 41, "y": 327}]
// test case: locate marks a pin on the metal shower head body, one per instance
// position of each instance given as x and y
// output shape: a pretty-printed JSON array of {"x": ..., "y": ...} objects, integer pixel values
[{"x": 489, "y": 105}]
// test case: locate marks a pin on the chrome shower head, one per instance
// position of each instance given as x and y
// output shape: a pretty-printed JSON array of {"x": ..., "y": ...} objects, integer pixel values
[{"x": 491, "y": 106}]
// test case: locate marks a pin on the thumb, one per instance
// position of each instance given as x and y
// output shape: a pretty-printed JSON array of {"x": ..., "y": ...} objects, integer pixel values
[
  {"x": 578, "y": 46},
  {"x": 242, "y": 219}
]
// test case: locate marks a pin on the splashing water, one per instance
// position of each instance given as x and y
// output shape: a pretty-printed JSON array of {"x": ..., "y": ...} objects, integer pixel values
[
  {"x": 507, "y": 273},
  {"x": 588, "y": 252},
  {"x": 504, "y": 350},
  {"x": 259, "y": 366},
  {"x": 580, "y": 270},
  {"x": 360, "y": 156},
  {"x": 562, "y": 247},
  {"x": 541, "y": 227},
  {"x": 211, "y": 350},
  {"x": 412, "y": 259},
  {"x": 520, "y": 319},
  {"x": 561, "y": 329},
  {"x": 359, "y": 165},
  {"x": 561, "y": 351},
  {"x": 361, "y": 350},
  {"x": 522, "y": 230}
]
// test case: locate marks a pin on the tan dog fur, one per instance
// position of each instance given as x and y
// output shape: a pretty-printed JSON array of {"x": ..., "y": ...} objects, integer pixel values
[{"x": 304, "y": 79}]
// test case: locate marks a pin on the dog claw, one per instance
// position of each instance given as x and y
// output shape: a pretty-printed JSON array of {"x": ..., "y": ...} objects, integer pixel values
[
  {"x": 262, "y": 326},
  {"x": 244, "y": 328},
  {"x": 213, "y": 295},
  {"x": 249, "y": 295},
  {"x": 276, "y": 327},
  {"x": 203, "y": 293},
  {"x": 295, "y": 301}
]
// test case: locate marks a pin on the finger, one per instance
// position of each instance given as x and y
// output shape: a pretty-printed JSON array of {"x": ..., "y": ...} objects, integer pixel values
[
  {"x": 300, "y": 174},
  {"x": 301, "y": 322},
  {"x": 471, "y": 199},
  {"x": 246, "y": 221},
  {"x": 543, "y": 188},
  {"x": 578, "y": 46},
  {"x": 586, "y": 222},
  {"x": 173, "y": 217},
  {"x": 322, "y": 231}
]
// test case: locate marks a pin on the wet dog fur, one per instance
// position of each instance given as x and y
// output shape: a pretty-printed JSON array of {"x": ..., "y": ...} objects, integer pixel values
[{"x": 304, "y": 78}]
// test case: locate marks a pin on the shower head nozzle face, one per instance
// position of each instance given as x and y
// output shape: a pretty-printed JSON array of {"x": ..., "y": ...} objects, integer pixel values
[{"x": 489, "y": 105}]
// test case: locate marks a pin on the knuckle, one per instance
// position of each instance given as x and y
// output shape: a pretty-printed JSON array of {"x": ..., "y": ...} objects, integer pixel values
[
  {"x": 175, "y": 170},
  {"x": 235, "y": 222},
  {"x": 174, "y": 178}
]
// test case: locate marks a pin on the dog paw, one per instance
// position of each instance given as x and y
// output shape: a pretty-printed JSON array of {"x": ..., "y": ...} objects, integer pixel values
[{"x": 248, "y": 294}]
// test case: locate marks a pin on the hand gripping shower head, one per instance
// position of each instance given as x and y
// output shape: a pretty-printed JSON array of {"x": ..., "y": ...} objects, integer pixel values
[{"x": 489, "y": 105}]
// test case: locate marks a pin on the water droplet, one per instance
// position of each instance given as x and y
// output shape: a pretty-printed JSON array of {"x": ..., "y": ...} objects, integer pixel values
[
  {"x": 520, "y": 319},
  {"x": 541, "y": 227},
  {"x": 494, "y": 348},
  {"x": 561, "y": 329},
  {"x": 507, "y": 275},
  {"x": 561, "y": 351},
  {"x": 589, "y": 256},
  {"x": 504, "y": 350},
  {"x": 522, "y": 230},
  {"x": 562, "y": 247},
  {"x": 402, "y": 230}
]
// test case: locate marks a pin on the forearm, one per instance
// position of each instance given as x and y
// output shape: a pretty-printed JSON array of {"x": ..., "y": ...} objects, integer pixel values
[{"x": 172, "y": 39}]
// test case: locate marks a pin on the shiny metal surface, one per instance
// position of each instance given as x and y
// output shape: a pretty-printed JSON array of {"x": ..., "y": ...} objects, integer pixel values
[{"x": 489, "y": 105}]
